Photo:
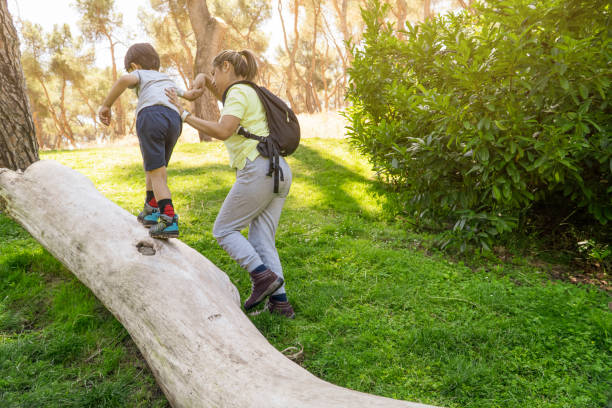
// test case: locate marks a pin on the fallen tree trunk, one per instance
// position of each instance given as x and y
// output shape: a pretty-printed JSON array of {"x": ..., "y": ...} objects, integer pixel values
[{"x": 181, "y": 310}]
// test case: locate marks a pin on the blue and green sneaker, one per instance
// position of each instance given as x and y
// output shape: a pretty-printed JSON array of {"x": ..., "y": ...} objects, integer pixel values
[
  {"x": 166, "y": 227},
  {"x": 148, "y": 216}
]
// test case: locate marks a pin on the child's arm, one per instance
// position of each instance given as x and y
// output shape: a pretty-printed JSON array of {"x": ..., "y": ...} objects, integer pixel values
[
  {"x": 125, "y": 81},
  {"x": 219, "y": 130},
  {"x": 197, "y": 88},
  {"x": 192, "y": 94}
]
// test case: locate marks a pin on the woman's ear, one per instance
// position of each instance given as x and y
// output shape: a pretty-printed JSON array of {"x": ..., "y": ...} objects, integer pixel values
[{"x": 226, "y": 66}]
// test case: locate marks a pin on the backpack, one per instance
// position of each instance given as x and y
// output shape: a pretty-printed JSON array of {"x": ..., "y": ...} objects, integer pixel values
[{"x": 284, "y": 128}]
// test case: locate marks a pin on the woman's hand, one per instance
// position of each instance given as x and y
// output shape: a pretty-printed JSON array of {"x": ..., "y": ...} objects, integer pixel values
[{"x": 173, "y": 98}]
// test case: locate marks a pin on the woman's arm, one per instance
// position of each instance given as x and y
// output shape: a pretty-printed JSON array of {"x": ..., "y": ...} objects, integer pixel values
[{"x": 221, "y": 130}]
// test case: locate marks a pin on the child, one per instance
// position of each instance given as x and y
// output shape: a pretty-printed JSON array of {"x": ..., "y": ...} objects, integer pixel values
[
  {"x": 251, "y": 201},
  {"x": 158, "y": 126}
]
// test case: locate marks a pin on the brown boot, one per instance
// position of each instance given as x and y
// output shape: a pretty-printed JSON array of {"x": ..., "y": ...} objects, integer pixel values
[
  {"x": 281, "y": 308},
  {"x": 264, "y": 283}
]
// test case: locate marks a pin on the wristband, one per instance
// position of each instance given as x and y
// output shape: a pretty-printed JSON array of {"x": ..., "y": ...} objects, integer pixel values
[
  {"x": 185, "y": 114},
  {"x": 180, "y": 92}
]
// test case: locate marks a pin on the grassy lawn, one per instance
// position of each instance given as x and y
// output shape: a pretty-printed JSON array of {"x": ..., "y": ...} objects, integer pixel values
[{"x": 374, "y": 312}]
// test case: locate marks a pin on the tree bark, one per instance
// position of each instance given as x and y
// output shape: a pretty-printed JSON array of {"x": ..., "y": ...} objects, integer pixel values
[
  {"x": 181, "y": 310},
  {"x": 18, "y": 145},
  {"x": 209, "y": 32}
]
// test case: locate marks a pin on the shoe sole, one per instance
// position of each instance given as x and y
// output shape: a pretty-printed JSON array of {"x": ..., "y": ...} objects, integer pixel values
[
  {"x": 145, "y": 224},
  {"x": 165, "y": 235},
  {"x": 277, "y": 284},
  {"x": 258, "y": 312},
  {"x": 284, "y": 315}
]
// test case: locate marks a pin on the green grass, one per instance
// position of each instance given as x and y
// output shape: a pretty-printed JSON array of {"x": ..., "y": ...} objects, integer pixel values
[{"x": 374, "y": 312}]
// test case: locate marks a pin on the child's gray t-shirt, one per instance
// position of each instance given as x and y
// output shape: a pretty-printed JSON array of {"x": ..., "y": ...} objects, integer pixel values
[{"x": 150, "y": 89}]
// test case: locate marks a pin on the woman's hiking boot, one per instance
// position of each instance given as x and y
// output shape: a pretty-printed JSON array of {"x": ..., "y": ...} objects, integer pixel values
[
  {"x": 148, "y": 216},
  {"x": 166, "y": 227},
  {"x": 263, "y": 285},
  {"x": 282, "y": 308}
]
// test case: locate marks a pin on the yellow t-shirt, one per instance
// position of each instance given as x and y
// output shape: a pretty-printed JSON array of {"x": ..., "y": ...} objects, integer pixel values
[{"x": 242, "y": 102}]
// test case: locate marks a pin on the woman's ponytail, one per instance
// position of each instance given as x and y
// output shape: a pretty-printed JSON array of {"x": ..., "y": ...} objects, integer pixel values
[
  {"x": 244, "y": 62},
  {"x": 251, "y": 68}
]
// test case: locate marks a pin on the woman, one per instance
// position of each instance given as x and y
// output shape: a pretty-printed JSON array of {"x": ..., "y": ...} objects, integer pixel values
[{"x": 251, "y": 201}]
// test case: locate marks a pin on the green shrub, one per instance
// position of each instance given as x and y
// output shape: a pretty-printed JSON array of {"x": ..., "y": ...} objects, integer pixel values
[{"x": 473, "y": 118}]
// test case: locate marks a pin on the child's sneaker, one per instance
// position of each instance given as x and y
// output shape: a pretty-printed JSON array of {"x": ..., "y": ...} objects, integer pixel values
[
  {"x": 166, "y": 227},
  {"x": 148, "y": 216}
]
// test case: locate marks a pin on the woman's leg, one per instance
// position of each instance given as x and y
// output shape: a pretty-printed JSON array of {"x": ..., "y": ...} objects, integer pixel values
[
  {"x": 251, "y": 201},
  {"x": 262, "y": 236},
  {"x": 247, "y": 198}
]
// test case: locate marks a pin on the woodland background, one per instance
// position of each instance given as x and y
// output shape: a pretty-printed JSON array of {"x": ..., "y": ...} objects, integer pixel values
[{"x": 308, "y": 67}]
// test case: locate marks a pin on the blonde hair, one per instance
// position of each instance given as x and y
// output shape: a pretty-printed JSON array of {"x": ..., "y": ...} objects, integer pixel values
[{"x": 244, "y": 62}]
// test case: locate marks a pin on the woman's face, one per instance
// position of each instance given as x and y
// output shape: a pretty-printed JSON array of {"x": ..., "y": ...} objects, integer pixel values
[{"x": 221, "y": 76}]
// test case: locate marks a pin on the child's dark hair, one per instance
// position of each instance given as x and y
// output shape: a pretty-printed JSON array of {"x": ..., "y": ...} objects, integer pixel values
[
  {"x": 142, "y": 54},
  {"x": 244, "y": 62}
]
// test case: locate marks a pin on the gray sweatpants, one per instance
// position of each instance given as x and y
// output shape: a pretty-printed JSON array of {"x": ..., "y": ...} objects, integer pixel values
[{"x": 252, "y": 203}]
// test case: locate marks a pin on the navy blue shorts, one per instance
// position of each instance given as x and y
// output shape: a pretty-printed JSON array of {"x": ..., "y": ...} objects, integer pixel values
[{"x": 158, "y": 128}]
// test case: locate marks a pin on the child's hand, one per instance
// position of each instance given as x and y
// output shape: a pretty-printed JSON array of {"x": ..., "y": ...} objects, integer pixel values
[
  {"x": 173, "y": 98},
  {"x": 201, "y": 81},
  {"x": 104, "y": 113},
  {"x": 193, "y": 93}
]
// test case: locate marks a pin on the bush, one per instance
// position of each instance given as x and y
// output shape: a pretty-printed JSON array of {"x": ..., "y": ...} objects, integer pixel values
[{"x": 473, "y": 118}]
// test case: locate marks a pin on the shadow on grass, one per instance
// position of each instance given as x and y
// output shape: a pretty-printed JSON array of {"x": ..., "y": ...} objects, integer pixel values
[{"x": 310, "y": 168}]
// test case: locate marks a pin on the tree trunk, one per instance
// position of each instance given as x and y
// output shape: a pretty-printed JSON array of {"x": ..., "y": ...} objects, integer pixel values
[
  {"x": 18, "y": 146},
  {"x": 313, "y": 59},
  {"x": 38, "y": 130},
  {"x": 63, "y": 116},
  {"x": 427, "y": 14},
  {"x": 401, "y": 13},
  {"x": 209, "y": 32},
  {"x": 181, "y": 310},
  {"x": 290, "y": 51},
  {"x": 119, "y": 111},
  {"x": 52, "y": 112},
  {"x": 174, "y": 10}
]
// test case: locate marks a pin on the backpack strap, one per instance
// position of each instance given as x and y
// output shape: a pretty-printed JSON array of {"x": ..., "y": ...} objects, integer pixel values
[
  {"x": 252, "y": 84},
  {"x": 266, "y": 147}
]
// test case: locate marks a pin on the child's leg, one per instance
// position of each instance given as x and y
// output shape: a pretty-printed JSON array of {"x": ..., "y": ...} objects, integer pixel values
[
  {"x": 148, "y": 181},
  {"x": 158, "y": 129},
  {"x": 159, "y": 184},
  {"x": 150, "y": 197}
]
